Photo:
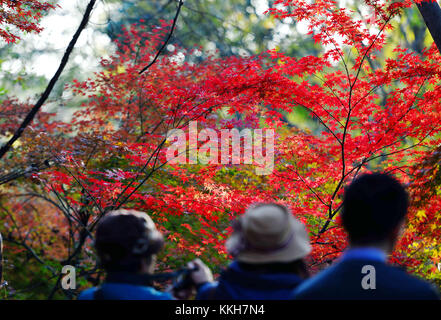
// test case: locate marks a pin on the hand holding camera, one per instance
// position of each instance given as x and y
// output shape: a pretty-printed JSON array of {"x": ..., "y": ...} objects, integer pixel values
[
  {"x": 197, "y": 273},
  {"x": 201, "y": 273}
]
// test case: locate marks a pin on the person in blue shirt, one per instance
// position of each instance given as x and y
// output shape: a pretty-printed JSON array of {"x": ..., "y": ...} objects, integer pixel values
[
  {"x": 373, "y": 214},
  {"x": 127, "y": 242},
  {"x": 268, "y": 245}
]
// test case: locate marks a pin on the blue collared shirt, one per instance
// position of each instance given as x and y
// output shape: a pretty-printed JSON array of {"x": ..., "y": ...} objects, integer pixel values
[
  {"x": 364, "y": 253},
  {"x": 125, "y": 286}
]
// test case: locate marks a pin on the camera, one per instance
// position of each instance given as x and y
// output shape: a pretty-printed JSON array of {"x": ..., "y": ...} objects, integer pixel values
[{"x": 183, "y": 281}]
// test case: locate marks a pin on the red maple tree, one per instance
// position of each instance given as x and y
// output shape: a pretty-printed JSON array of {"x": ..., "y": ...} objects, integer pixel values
[
  {"x": 24, "y": 16},
  {"x": 113, "y": 152}
]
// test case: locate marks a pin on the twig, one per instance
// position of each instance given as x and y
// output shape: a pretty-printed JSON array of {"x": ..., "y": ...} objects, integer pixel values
[{"x": 181, "y": 3}]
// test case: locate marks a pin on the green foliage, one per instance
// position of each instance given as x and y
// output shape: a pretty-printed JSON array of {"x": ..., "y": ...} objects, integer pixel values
[{"x": 233, "y": 27}]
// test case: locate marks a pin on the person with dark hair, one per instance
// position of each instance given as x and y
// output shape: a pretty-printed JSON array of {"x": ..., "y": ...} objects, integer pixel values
[
  {"x": 127, "y": 242},
  {"x": 268, "y": 246},
  {"x": 373, "y": 215}
]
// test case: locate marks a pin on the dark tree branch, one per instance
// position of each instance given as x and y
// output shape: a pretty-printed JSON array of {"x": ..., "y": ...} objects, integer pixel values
[
  {"x": 21, "y": 172},
  {"x": 431, "y": 13},
  {"x": 181, "y": 3},
  {"x": 31, "y": 115}
]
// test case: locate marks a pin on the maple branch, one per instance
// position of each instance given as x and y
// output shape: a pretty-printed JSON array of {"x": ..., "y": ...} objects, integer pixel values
[
  {"x": 317, "y": 262},
  {"x": 306, "y": 184},
  {"x": 63, "y": 210},
  {"x": 181, "y": 3},
  {"x": 331, "y": 212},
  {"x": 370, "y": 157},
  {"x": 343, "y": 160},
  {"x": 334, "y": 94},
  {"x": 404, "y": 149},
  {"x": 154, "y": 169},
  {"x": 341, "y": 56},
  {"x": 320, "y": 119},
  {"x": 21, "y": 243},
  {"x": 383, "y": 84},
  {"x": 92, "y": 152},
  {"x": 67, "y": 207},
  {"x": 30, "y": 169},
  {"x": 31, "y": 115},
  {"x": 85, "y": 189},
  {"x": 158, "y": 148},
  {"x": 431, "y": 13},
  {"x": 369, "y": 49},
  {"x": 357, "y": 168},
  {"x": 32, "y": 252},
  {"x": 372, "y": 152}
]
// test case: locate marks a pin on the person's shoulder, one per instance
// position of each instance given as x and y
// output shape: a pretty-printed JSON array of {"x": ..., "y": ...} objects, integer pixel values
[
  {"x": 311, "y": 286},
  {"x": 333, "y": 281},
  {"x": 206, "y": 291},
  {"x": 341, "y": 281},
  {"x": 126, "y": 292},
  {"x": 420, "y": 288},
  {"x": 153, "y": 294},
  {"x": 87, "y": 294}
]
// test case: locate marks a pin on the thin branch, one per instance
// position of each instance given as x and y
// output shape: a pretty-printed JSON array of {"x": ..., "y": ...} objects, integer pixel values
[
  {"x": 181, "y": 3},
  {"x": 31, "y": 115}
]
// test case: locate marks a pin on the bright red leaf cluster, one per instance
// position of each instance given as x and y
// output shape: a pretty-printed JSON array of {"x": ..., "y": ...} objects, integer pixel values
[{"x": 21, "y": 15}]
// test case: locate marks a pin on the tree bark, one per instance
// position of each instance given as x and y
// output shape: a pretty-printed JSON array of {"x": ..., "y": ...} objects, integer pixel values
[{"x": 431, "y": 13}]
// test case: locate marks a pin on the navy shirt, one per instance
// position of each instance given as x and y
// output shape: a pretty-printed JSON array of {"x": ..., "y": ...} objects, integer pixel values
[
  {"x": 122, "y": 286},
  {"x": 238, "y": 284},
  {"x": 343, "y": 280}
]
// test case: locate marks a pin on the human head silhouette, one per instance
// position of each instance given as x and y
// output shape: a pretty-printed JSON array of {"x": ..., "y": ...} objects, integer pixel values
[
  {"x": 127, "y": 240},
  {"x": 374, "y": 208}
]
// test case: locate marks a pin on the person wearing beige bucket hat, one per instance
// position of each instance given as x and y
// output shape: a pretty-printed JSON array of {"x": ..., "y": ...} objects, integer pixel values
[
  {"x": 268, "y": 233},
  {"x": 268, "y": 245}
]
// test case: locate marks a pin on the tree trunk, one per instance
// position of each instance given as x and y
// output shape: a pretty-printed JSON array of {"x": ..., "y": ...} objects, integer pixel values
[{"x": 431, "y": 13}]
